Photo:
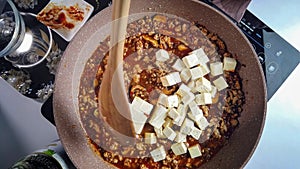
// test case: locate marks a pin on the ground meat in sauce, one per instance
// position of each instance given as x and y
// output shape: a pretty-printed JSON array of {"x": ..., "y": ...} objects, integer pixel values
[{"x": 142, "y": 79}]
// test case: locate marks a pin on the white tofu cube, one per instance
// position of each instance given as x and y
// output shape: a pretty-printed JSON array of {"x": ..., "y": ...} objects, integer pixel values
[
  {"x": 192, "y": 85},
  {"x": 170, "y": 79},
  {"x": 141, "y": 105},
  {"x": 196, "y": 72},
  {"x": 185, "y": 75},
  {"x": 202, "y": 57},
  {"x": 169, "y": 133},
  {"x": 179, "y": 148},
  {"x": 229, "y": 64},
  {"x": 202, "y": 123},
  {"x": 196, "y": 111},
  {"x": 138, "y": 127},
  {"x": 173, "y": 101},
  {"x": 205, "y": 69},
  {"x": 220, "y": 83},
  {"x": 179, "y": 120},
  {"x": 186, "y": 126},
  {"x": 162, "y": 55},
  {"x": 178, "y": 65},
  {"x": 183, "y": 89},
  {"x": 157, "y": 123},
  {"x": 163, "y": 99},
  {"x": 195, "y": 151},
  {"x": 176, "y": 76},
  {"x": 216, "y": 68},
  {"x": 196, "y": 117},
  {"x": 191, "y": 60},
  {"x": 193, "y": 104},
  {"x": 159, "y": 133},
  {"x": 196, "y": 133},
  {"x": 188, "y": 98},
  {"x": 203, "y": 99},
  {"x": 158, "y": 154},
  {"x": 174, "y": 114},
  {"x": 158, "y": 116},
  {"x": 182, "y": 110},
  {"x": 138, "y": 120},
  {"x": 203, "y": 85},
  {"x": 180, "y": 137},
  {"x": 150, "y": 138}
]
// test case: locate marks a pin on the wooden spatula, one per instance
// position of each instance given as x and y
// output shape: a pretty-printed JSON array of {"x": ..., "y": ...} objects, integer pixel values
[{"x": 113, "y": 100}]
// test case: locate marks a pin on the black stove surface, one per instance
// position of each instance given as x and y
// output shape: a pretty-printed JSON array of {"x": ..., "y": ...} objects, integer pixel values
[{"x": 277, "y": 57}]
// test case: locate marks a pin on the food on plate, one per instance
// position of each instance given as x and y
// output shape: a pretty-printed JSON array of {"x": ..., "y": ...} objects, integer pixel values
[
  {"x": 60, "y": 16},
  {"x": 185, "y": 92}
]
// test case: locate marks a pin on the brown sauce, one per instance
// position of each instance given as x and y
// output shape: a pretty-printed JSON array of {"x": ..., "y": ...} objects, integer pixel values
[{"x": 140, "y": 50}]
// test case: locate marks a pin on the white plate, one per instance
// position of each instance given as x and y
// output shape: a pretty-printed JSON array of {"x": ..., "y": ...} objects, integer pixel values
[{"x": 65, "y": 32}]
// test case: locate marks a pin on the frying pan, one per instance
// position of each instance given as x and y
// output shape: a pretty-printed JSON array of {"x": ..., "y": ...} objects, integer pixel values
[{"x": 244, "y": 139}]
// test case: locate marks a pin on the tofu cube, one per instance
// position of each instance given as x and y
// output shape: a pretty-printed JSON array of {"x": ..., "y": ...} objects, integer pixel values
[
  {"x": 182, "y": 110},
  {"x": 202, "y": 123},
  {"x": 187, "y": 126},
  {"x": 191, "y": 60},
  {"x": 216, "y": 68},
  {"x": 195, "y": 151},
  {"x": 205, "y": 69},
  {"x": 229, "y": 64},
  {"x": 202, "y": 57},
  {"x": 170, "y": 79},
  {"x": 173, "y": 101},
  {"x": 196, "y": 117},
  {"x": 183, "y": 89},
  {"x": 203, "y": 85},
  {"x": 138, "y": 120},
  {"x": 158, "y": 154},
  {"x": 196, "y": 72},
  {"x": 162, "y": 55},
  {"x": 180, "y": 137},
  {"x": 138, "y": 127},
  {"x": 158, "y": 116},
  {"x": 159, "y": 133},
  {"x": 179, "y": 148},
  {"x": 193, "y": 104},
  {"x": 163, "y": 99},
  {"x": 192, "y": 85},
  {"x": 196, "y": 133},
  {"x": 188, "y": 98},
  {"x": 185, "y": 75},
  {"x": 141, "y": 105},
  {"x": 220, "y": 83},
  {"x": 178, "y": 65},
  {"x": 169, "y": 133},
  {"x": 150, "y": 138},
  {"x": 174, "y": 114},
  {"x": 203, "y": 99},
  {"x": 196, "y": 111}
]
